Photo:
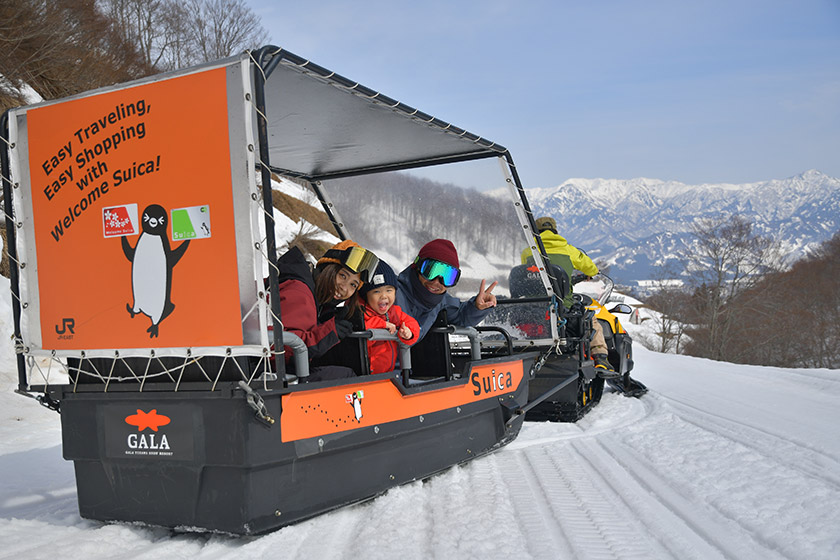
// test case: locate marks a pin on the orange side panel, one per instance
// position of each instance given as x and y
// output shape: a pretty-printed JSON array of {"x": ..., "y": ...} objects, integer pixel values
[{"x": 308, "y": 414}]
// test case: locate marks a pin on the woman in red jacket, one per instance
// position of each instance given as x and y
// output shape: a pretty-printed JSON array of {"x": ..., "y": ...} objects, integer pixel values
[
  {"x": 316, "y": 306},
  {"x": 378, "y": 296}
]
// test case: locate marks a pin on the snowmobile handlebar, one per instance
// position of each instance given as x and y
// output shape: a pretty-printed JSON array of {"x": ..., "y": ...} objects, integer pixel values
[{"x": 607, "y": 282}]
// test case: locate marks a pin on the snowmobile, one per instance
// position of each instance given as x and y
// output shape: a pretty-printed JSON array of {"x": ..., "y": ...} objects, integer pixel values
[
  {"x": 140, "y": 230},
  {"x": 567, "y": 384},
  {"x": 595, "y": 293}
]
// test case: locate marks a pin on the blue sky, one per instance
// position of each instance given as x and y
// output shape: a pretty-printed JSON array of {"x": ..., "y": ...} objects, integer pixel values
[{"x": 701, "y": 91}]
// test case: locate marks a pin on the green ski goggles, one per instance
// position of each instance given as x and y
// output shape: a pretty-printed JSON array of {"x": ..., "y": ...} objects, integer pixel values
[{"x": 431, "y": 269}]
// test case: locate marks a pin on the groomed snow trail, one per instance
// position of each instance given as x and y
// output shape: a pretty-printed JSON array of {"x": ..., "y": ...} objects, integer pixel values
[{"x": 717, "y": 461}]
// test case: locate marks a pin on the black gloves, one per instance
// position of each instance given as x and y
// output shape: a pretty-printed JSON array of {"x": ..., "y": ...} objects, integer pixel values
[{"x": 343, "y": 328}]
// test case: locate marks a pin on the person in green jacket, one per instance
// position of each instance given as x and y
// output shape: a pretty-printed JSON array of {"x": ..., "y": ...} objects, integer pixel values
[{"x": 570, "y": 258}]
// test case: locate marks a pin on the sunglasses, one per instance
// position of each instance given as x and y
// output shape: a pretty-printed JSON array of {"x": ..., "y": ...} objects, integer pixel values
[
  {"x": 431, "y": 269},
  {"x": 359, "y": 260}
]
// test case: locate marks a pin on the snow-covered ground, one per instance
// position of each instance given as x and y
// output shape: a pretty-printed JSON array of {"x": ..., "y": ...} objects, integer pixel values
[{"x": 717, "y": 461}]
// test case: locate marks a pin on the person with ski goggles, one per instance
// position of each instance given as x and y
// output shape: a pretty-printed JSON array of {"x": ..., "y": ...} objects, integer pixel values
[
  {"x": 317, "y": 306},
  {"x": 423, "y": 285}
]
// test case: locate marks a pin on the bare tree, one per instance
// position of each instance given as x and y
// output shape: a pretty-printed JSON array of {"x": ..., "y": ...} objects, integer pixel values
[
  {"x": 176, "y": 49},
  {"x": 807, "y": 311},
  {"x": 670, "y": 301},
  {"x": 172, "y": 34},
  {"x": 221, "y": 28},
  {"x": 62, "y": 47},
  {"x": 59, "y": 48},
  {"x": 727, "y": 259},
  {"x": 143, "y": 23}
]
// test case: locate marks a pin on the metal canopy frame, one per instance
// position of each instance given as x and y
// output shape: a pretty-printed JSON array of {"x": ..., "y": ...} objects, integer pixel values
[{"x": 315, "y": 125}]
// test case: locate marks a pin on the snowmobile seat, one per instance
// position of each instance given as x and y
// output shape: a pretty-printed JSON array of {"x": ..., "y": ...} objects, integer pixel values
[
  {"x": 524, "y": 281},
  {"x": 608, "y": 332}
]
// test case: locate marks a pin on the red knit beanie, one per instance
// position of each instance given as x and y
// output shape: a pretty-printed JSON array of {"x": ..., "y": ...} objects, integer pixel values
[{"x": 441, "y": 250}]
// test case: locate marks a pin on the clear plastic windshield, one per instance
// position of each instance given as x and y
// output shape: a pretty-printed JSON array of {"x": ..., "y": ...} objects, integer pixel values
[
  {"x": 395, "y": 214},
  {"x": 599, "y": 288}
]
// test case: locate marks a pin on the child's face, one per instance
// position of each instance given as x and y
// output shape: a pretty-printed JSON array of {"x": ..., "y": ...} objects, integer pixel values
[{"x": 381, "y": 299}]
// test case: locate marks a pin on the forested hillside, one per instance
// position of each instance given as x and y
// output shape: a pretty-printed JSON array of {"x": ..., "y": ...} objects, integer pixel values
[
  {"x": 401, "y": 212},
  {"x": 58, "y": 48},
  {"x": 63, "y": 47}
]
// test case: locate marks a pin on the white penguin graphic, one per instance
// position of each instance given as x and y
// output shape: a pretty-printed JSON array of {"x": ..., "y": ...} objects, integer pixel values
[
  {"x": 152, "y": 262},
  {"x": 357, "y": 406}
]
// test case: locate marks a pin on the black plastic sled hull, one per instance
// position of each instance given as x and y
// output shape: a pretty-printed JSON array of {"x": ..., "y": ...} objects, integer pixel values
[{"x": 201, "y": 460}]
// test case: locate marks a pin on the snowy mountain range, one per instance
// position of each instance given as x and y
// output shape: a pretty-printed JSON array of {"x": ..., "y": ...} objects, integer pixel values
[{"x": 636, "y": 225}]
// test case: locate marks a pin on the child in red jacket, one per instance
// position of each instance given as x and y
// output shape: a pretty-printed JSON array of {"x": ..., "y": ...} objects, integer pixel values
[{"x": 378, "y": 296}]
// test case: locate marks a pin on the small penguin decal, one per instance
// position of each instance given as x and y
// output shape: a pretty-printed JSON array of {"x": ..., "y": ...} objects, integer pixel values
[
  {"x": 152, "y": 261},
  {"x": 356, "y": 403}
]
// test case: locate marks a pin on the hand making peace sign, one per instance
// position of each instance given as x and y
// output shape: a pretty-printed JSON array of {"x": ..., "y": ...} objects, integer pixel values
[{"x": 485, "y": 298}]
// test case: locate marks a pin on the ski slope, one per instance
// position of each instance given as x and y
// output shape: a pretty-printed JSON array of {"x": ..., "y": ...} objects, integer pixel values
[{"x": 716, "y": 461}]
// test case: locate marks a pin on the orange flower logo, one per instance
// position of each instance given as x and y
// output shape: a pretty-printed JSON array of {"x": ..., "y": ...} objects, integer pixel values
[{"x": 150, "y": 419}]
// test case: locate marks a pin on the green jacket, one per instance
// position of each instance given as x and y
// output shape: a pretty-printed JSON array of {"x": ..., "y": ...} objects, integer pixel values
[{"x": 566, "y": 256}]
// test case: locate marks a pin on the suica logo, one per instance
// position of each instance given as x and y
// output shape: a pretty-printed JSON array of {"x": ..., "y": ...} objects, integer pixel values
[
  {"x": 491, "y": 383},
  {"x": 354, "y": 399}
]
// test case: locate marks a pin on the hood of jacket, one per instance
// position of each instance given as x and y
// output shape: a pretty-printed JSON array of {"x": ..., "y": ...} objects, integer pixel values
[
  {"x": 553, "y": 240},
  {"x": 293, "y": 266}
]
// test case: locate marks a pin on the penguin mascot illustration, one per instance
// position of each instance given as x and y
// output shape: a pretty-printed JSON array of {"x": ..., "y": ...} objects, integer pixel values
[
  {"x": 357, "y": 406},
  {"x": 152, "y": 261}
]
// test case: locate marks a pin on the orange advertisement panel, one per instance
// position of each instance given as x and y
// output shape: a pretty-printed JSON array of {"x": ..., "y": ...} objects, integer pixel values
[
  {"x": 133, "y": 217},
  {"x": 311, "y": 413}
]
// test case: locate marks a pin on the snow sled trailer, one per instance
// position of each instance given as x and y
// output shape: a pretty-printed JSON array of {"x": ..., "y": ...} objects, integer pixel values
[{"x": 141, "y": 230}]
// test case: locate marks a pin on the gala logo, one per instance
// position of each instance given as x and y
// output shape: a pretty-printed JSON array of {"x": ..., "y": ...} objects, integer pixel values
[{"x": 144, "y": 420}]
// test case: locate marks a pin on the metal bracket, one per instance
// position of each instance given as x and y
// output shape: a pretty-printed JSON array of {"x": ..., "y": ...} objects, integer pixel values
[
  {"x": 44, "y": 400},
  {"x": 256, "y": 402}
]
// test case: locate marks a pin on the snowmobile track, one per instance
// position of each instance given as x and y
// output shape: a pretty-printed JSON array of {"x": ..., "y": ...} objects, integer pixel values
[
  {"x": 819, "y": 465},
  {"x": 653, "y": 498},
  {"x": 587, "y": 524}
]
